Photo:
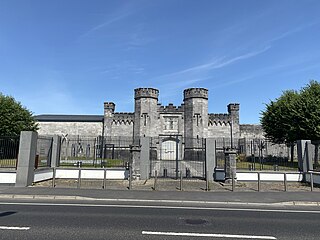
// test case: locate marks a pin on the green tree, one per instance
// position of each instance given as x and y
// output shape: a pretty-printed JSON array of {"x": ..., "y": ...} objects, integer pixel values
[
  {"x": 14, "y": 118},
  {"x": 294, "y": 115}
]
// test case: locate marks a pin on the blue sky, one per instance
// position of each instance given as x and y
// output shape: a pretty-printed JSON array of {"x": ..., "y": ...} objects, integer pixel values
[{"x": 68, "y": 57}]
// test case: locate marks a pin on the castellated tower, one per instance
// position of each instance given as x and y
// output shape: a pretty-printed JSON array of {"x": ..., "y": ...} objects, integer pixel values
[
  {"x": 195, "y": 114},
  {"x": 109, "y": 108},
  {"x": 145, "y": 115},
  {"x": 233, "y": 110}
]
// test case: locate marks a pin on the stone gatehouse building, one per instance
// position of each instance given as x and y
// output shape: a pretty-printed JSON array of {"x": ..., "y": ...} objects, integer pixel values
[{"x": 151, "y": 119}]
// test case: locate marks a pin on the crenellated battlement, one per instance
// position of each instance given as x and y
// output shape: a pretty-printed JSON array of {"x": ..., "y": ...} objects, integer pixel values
[
  {"x": 109, "y": 107},
  {"x": 146, "y": 93},
  {"x": 170, "y": 108},
  {"x": 219, "y": 119},
  {"x": 123, "y": 118},
  {"x": 195, "y": 93},
  {"x": 233, "y": 107}
]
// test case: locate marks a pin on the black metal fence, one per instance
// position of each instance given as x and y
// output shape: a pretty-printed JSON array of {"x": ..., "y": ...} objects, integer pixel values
[
  {"x": 44, "y": 152},
  {"x": 175, "y": 156},
  {"x": 98, "y": 151},
  {"x": 9, "y": 149},
  {"x": 258, "y": 154}
]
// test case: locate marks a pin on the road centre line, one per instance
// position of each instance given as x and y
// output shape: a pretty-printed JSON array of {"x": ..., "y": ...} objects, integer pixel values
[
  {"x": 207, "y": 235},
  {"x": 13, "y": 228},
  {"x": 159, "y": 207}
]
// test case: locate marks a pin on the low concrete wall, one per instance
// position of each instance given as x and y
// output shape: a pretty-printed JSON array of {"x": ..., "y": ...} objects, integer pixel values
[
  {"x": 114, "y": 173},
  {"x": 270, "y": 176},
  {"x": 43, "y": 174},
  {"x": 316, "y": 177},
  {"x": 8, "y": 177}
]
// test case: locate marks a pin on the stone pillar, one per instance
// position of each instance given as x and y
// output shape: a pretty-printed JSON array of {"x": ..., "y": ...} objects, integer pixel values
[
  {"x": 135, "y": 161},
  {"x": 56, "y": 149},
  {"x": 145, "y": 158},
  {"x": 230, "y": 166},
  {"x": 26, "y": 158},
  {"x": 210, "y": 158},
  {"x": 304, "y": 148}
]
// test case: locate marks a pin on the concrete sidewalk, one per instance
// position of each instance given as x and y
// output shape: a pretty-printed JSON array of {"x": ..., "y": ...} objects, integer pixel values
[{"x": 267, "y": 198}]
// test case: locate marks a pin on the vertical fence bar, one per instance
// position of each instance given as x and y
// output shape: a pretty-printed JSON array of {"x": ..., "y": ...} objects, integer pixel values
[
  {"x": 311, "y": 181},
  {"x": 181, "y": 185},
  {"x": 104, "y": 179},
  {"x": 79, "y": 179},
  {"x": 207, "y": 181},
  {"x": 155, "y": 180},
  {"x": 54, "y": 177},
  {"x": 233, "y": 182},
  {"x": 130, "y": 176},
  {"x": 259, "y": 183},
  {"x": 285, "y": 181}
]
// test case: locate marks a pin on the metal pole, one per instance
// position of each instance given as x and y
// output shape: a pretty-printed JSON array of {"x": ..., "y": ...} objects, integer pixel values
[
  {"x": 259, "y": 187},
  {"x": 155, "y": 180},
  {"x": 207, "y": 181},
  {"x": 104, "y": 179},
  {"x": 54, "y": 177},
  {"x": 130, "y": 176},
  {"x": 233, "y": 182},
  {"x": 285, "y": 181},
  {"x": 181, "y": 186},
  {"x": 177, "y": 157},
  {"x": 79, "y": 179},
  {"x": 311, "y": 181}
]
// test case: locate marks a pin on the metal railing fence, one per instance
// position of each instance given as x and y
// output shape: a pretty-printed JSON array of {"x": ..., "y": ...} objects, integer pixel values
[{"x": 9, "y": 149}]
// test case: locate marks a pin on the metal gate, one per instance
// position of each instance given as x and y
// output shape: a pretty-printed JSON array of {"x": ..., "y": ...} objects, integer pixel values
[{"x": 173, "y": 155}]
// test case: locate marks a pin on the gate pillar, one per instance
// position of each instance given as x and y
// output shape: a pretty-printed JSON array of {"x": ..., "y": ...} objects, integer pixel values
[
  {"x": 210, "y": 146},
  {"x": 26, "y": 158},
  {"x": 230, "y": 166},
  {"x": 145, "y": 158}
]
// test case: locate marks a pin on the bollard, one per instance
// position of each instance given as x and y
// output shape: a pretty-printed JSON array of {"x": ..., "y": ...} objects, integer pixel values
[
  {"x": 155, "y": 180},
  {"x": 54, "y": 177},
  {"x": 311, "y": 181},
  {"x": 259, "y": 182},
  {"x": 285, "y": 181},
  {"x": 79, "y": 179},
  {"x": 181, "y": 186},
  {"x": 207, "y": 181},
  {"x": 233, "y": 182},
  {"x": 104, "y": 179}
]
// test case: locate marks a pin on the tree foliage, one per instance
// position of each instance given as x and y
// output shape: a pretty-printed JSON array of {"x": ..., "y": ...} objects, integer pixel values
[
  {"x": 294, "y": 115},
  {"x": 14, "y": 118}
]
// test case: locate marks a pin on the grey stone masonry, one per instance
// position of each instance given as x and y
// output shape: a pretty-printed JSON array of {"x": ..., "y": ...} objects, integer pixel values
[
  {"x": 150, "y": 119},
  {"x": 26, "y": 159},
  {"x": 230, "y": 165}
]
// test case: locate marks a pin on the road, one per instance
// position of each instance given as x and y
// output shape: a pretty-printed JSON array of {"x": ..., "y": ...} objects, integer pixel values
[{"x": 87, "y": 220}]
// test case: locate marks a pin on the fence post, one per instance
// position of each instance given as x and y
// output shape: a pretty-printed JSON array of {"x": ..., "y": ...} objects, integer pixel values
[
  {"x": 311, "y": 181},
  {"x": 79, "y": 179},
  {"x": 233, "y": 182},
  {"x": 259, "y": 182},
  {"x": 54, "y": 177},
  {"x": 104, "y": 179},
  {"x": 285, "y": 181},
  {"x": 207, "y": 181},
  {"x": 130, "y": 176},
  {"x": 181, "y": 185},
  {"x": 155, "y": 180}
]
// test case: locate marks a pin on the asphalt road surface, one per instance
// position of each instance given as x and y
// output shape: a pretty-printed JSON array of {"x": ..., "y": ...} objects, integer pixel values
[{"x": 89, "y": 221}]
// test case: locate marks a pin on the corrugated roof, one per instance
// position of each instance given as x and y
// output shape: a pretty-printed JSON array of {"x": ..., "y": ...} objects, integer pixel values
[{"x": 68, "y": 118}]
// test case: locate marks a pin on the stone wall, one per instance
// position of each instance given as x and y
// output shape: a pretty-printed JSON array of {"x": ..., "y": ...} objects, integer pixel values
[
  {"x": 251, "y": 131},
  {"x": 70, "y": 128}
]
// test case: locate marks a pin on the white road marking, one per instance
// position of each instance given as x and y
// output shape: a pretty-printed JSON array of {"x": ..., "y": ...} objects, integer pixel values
[
  {"x": 13, "y": 228},
  {"x": 160, "y": 207},
  {"x": 207, "y": 235}
]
